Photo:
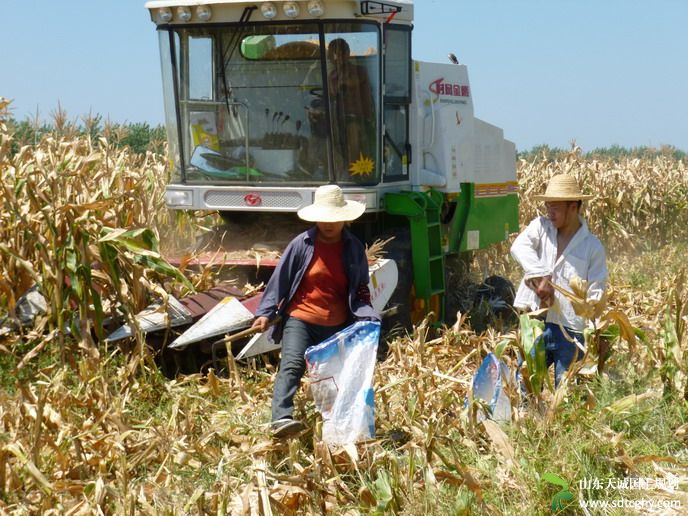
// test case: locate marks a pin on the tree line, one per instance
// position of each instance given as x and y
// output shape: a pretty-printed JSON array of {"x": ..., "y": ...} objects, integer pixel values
[
  {"x": 142, "y": 137},
  {"x": 614, "y": 152}
]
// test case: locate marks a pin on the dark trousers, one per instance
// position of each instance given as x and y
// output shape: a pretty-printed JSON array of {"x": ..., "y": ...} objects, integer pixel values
[
  {"x": 297, "y": 337},
  {"x": 559, "y": 350}
]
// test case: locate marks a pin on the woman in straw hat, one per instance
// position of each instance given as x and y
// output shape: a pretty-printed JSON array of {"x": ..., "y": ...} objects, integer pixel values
[
  {"x": 318, "y": 288},
  {"x": 554, "y": 249}
]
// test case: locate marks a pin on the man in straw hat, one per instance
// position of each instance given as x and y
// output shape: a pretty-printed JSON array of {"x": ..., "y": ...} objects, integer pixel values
[
  {"x": 554, "y": 249},
  {"x": 319, "y": 287}
]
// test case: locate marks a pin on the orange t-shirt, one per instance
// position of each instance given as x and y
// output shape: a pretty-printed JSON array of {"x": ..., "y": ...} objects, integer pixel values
[{"x": 322, "y": 295}]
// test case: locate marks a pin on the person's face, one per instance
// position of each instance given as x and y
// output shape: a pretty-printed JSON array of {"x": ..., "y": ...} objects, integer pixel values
[
  {"x": 561, "y": 213},
  {"x": 330, "y": 231},
  {"x": 336, "y": 56}
]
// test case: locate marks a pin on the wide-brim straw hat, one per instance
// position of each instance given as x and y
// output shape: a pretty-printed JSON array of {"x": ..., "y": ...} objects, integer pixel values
[
  {"x": 329, "y": 205},
  {"x": 563, "y": 187}
]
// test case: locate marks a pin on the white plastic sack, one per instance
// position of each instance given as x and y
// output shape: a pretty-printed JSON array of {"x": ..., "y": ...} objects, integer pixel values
[{"x": 340, "y": 371}]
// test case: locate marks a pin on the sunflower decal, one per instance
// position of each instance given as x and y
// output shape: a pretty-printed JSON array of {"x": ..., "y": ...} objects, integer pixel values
[{"x": 363, "y": 166}]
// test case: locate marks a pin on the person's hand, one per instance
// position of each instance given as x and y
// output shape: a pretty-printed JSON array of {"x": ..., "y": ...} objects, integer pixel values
[
  {"x": 533, "y": 283},
  {"x": 543, "y": 289},
  {"x": 261, "y": 323},
  {"x": 545, "y": 292}
]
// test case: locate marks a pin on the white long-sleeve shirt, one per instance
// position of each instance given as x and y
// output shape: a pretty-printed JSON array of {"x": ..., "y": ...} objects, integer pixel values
[{"x": 535, "y": 249}]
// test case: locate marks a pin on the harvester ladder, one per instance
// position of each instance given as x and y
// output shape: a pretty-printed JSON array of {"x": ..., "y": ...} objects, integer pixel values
[{"x": 423, "y": 212}]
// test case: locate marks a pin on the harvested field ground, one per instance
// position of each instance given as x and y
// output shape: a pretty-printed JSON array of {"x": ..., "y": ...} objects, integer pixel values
[{"x": 86, "y": 428}]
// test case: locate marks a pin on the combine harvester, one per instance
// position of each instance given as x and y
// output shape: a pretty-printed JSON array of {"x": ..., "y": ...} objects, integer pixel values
[{"x": 265, "y": 101}]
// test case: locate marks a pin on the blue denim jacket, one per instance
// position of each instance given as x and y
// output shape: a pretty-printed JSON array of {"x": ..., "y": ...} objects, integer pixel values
[{"x": 292, "y": 266}]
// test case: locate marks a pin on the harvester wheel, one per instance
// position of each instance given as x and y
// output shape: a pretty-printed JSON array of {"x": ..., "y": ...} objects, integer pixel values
[{"x": 494, "y": 303}]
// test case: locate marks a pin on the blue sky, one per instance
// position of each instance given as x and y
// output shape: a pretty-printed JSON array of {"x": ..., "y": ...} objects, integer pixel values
[{"x": 600, "y": 72}]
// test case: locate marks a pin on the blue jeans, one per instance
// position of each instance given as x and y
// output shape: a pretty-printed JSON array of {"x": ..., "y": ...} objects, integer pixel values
[
  {"x": 298, "y": 336},
  {"x": 559, "y": 350}
]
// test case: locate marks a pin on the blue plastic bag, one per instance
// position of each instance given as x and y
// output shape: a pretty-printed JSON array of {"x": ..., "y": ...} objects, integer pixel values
[
  {"x": 488, "y": 385},
  {"x": 340, "y": 371}
]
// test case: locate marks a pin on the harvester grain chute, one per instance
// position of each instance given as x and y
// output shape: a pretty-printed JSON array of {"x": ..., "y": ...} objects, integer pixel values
[{"x": 260, "y": 111}]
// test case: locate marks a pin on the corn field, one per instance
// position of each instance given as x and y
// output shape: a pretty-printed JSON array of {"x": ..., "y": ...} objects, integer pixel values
[
  {"x": 639, "y": 203},
  {"x": 89, "y": 429}
]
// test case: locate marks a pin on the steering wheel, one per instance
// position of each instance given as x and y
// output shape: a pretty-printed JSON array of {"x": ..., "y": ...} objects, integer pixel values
[{"x": 220, "y": 161}]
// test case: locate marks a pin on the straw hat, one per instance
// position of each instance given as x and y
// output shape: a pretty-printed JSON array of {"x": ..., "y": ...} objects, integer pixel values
[
  {"x": 563, "y": 187},
  {"x": 329, "y": 205}
]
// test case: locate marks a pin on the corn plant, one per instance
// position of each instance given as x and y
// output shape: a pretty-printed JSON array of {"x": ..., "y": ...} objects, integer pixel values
[
  {"x": 634, "y": 198},
  {"x": 532, "y": 348},
  {"x": 84, "y": 219},
  {"x": 79, "y": 219},
  {"x": 671, "y": 353}
]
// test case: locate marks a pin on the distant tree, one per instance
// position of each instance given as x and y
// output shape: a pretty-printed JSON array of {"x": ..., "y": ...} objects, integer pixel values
[
  {"x": 617, "y": 152},
  {"x": 141, "y": 137},
  {"x": 26, "y": 132},
  {"x": 543, "y": 151}
]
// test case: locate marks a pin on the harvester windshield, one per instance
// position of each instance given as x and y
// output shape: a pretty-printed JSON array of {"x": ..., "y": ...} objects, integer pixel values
[{"x": 275, "y": 104}]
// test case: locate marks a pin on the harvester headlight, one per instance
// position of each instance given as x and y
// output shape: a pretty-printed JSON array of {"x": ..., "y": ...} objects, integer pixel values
[
  {"x": 268, "y": 10},
  {"x": 316, "y": 8},
  {"x": 178, "y": 198},
  {"x": 291, "y": 9},
  {"x": 369, "y": 199},
  {"x": 203, "y": 12},
  {"x": 165, "y": 14},
  {"x": 183, "y": 14}
]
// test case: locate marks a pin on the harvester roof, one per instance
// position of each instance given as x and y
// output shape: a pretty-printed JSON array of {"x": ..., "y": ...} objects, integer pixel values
[
  {"x": 332, "y": 8},
  {"x": 152, "y": 4}
]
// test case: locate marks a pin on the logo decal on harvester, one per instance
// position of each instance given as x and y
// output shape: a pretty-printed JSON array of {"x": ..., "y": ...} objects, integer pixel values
[
  {"x": 253, "y": 199},
  {"x": 439, "y": 87},
  {"x": 363, "y": 166}
]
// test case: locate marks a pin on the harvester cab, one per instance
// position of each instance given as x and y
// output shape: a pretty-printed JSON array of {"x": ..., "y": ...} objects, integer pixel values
[{"x": 267, "y": 100}]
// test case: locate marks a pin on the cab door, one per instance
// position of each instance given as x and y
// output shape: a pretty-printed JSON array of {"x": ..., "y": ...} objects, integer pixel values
[{"x": 397, "y": 101}]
